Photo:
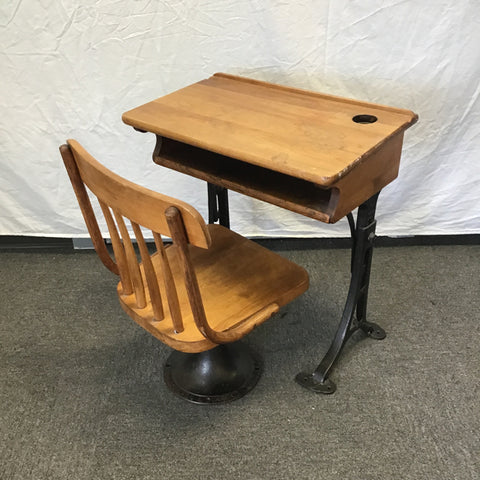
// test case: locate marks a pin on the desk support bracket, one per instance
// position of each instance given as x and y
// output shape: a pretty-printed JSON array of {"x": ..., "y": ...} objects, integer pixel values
[
  {"x": 218, "y": 205},
  {"x": 354, "y": 313}
]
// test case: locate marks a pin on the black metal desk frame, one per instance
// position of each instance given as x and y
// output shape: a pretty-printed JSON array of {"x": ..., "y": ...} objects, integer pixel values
[{"x": 354, "y": 315}]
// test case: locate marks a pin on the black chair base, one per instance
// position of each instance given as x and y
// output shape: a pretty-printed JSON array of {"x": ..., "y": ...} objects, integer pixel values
[{"x": 220, "y": 375}]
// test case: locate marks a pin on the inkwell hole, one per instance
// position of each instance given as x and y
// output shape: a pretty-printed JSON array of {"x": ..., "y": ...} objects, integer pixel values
[{"x": 364, "y": 118}]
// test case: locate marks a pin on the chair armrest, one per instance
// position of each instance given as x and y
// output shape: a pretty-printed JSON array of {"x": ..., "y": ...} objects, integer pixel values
[{"x": 242, "y": 328}]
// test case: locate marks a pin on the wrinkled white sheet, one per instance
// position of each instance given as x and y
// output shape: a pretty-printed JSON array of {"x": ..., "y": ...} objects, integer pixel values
[{"x": 70, "y": 68}]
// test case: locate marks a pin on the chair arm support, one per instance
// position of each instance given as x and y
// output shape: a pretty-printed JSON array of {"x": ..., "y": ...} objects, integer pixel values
[
  {"x": 235, "y": 332},
  {"x": 242, "y": 328}
]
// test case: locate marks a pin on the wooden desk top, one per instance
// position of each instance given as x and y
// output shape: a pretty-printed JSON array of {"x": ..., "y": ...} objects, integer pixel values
[{"x": 307, "y": 135}]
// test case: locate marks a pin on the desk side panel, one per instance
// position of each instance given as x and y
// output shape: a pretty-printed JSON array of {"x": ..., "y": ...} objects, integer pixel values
[{"x": 366, "y": 179}]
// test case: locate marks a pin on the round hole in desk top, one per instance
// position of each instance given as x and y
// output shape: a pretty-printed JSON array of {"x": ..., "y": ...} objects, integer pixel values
[{"x": 364, "y": 118}]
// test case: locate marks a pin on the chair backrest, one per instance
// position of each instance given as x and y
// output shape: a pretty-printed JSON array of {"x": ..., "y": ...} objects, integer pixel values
[{"x": 121, "y": 199}]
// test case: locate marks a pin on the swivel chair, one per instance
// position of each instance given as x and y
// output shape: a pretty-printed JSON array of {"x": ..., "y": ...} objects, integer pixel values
[{"x": 199, "y": 294}]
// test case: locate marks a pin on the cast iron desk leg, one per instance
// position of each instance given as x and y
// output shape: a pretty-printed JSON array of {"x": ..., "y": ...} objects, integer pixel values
[
  {"x": 362, "y": 235},
  {"x": 218, "y": 205}
]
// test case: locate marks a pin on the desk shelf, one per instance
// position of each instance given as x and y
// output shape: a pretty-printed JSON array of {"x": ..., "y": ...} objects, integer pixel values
[{"x": 294, "y": 194}]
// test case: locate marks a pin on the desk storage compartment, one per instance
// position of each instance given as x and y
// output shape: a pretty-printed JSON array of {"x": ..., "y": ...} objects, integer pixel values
[{"x": 288, "y": 192}]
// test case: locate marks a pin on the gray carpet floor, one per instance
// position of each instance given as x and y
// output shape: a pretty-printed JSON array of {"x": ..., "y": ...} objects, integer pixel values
[{"x": 82, "y": 394}]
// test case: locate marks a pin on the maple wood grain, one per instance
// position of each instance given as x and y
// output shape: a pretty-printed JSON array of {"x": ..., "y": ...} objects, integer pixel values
[
  {"x": 308, "y": 152},
  {"x": 302, "y": 134}
]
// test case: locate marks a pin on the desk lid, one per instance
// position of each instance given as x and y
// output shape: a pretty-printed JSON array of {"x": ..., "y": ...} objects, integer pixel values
[{"x": 308, "y": 135}]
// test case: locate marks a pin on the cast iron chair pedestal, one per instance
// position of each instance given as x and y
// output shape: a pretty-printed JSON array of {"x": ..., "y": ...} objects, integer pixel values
[
  {"x": 354, "y": 313},
  {"x": 219, "y": 375}
]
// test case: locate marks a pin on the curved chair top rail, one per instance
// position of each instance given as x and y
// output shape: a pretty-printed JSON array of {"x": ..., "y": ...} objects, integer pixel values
[{"x": 143, "y": 206}]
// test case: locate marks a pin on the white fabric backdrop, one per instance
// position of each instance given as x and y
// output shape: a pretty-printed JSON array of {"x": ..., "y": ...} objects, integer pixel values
[{"x": 70, "y": 68}]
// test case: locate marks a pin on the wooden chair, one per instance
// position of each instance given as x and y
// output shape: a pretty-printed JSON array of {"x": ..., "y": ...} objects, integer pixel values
[{"x": 199, "y": 295}]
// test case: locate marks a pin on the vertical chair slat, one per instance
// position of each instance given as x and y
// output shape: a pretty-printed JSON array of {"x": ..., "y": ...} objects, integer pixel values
[
  {"x": 150, "y": 275},
  {"x": 179, "y": 237},
  {"x": 132, "y": 262},
  {"x": 172, "y": 296},
  {"x": 118, "y": 250}
]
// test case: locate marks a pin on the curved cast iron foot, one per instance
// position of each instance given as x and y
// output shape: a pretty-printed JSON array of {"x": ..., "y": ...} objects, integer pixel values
[
  {"x": 363, "y": 235},
  {"x": 373, "y": 330},
  {"x": 308, "y": 380},
  {"x": 220, "y": 375}
]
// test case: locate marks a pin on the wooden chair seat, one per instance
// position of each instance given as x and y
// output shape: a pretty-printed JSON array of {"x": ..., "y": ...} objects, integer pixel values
[{"x": 239, "y": 280}]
